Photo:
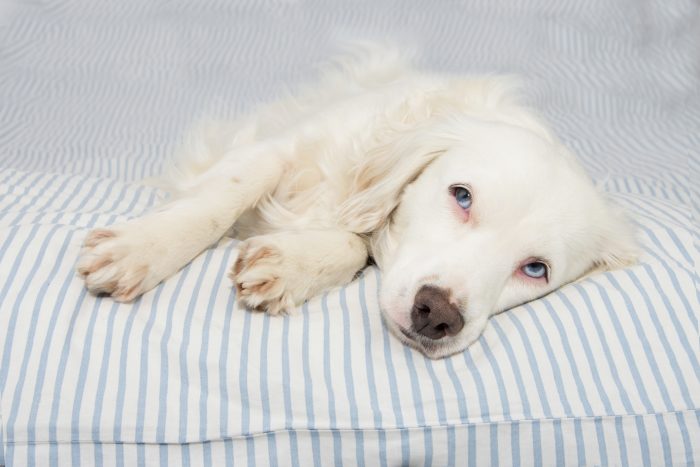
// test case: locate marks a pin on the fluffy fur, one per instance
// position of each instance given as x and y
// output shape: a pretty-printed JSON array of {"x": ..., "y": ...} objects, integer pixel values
[{"x": 360, "y": 166}]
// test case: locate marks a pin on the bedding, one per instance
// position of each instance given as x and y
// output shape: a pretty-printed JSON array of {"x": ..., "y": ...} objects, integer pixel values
[{"x": 94, "y": 97}]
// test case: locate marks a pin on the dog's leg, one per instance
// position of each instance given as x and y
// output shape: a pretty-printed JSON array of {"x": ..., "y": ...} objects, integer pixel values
[
  {"x": 278, "y": 271},
  {"x": 126, "y": 260}
]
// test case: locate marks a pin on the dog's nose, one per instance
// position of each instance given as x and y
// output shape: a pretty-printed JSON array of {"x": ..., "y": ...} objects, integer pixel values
[{"x": 433, "y": 315}]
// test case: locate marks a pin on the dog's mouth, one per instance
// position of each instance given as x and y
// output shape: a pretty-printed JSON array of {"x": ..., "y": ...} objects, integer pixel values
[
  {"x": 431, "y": 348},
  {"x": 428, "y": 347},
  {"x": 400, "y": 325}
]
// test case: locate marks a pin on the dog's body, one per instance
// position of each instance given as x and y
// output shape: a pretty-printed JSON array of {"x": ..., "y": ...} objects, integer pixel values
[{"x": 461, "y": 196}]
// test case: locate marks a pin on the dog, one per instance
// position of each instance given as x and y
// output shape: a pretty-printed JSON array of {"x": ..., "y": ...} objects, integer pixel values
[{"x": 461, "y": 195}]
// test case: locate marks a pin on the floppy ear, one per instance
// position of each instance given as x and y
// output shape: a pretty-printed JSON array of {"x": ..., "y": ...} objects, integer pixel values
[
  {"x": 617, "y": 244},
  {"x": 381, "y": 175}
]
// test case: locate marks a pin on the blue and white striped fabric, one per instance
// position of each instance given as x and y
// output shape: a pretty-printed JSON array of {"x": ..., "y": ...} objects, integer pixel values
[{"x": 93, "y": 96}]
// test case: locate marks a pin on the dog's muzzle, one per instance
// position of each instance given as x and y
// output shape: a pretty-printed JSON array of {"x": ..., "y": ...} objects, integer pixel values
[{"x": 433, "y": 316}]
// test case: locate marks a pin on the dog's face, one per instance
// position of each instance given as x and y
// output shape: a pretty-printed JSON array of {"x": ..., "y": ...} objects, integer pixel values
[{"x": 503, "y": 217}]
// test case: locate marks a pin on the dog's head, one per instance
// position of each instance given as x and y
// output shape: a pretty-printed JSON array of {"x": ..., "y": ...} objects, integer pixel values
[{"x": 496, "y": 214}]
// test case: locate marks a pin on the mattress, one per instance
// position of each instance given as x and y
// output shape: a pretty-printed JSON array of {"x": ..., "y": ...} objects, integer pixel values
[{"x": 94, "y": 97}]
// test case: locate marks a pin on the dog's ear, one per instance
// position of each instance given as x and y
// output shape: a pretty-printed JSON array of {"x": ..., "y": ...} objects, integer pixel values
[
  {"x": 617, "y": 243},
  {"x": 381, "y": 175}
]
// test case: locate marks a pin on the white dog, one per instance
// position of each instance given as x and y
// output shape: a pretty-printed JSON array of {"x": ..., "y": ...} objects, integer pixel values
[{"x": 463, "y": 198}]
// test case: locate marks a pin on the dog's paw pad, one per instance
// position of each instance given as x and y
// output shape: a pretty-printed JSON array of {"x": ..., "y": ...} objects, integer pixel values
[
  {"x": 258, "y": 275},
  {"x": 109, "y": 266}
]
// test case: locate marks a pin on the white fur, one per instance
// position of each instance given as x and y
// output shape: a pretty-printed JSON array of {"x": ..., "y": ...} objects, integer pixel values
[{"x": 360, "y": 165}]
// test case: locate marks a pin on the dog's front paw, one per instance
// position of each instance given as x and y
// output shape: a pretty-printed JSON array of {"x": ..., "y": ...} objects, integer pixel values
[
  {"x": 263, "y": 277},
  {"x": 115, "y": 262}
]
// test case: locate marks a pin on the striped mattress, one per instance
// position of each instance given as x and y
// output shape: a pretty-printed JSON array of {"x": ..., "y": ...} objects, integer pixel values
[{"x": 93, "y": 98}]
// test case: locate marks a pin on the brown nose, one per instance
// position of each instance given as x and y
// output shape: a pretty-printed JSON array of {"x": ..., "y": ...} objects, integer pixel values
[{"x": 433, "y": 315}]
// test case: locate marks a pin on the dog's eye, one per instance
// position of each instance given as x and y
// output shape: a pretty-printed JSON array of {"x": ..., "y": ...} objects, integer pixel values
[
  {"x": 536, "y": 270},
  {"x": 462, "y": 195}
]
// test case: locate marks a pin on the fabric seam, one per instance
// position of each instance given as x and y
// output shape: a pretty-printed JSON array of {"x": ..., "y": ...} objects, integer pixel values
[{"x": 355, "y": 430}]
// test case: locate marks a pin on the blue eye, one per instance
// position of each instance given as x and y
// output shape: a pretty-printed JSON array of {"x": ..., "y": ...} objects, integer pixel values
[
  {"x": 535, "y": 269},
  {"x": 462, "y": 196}
]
